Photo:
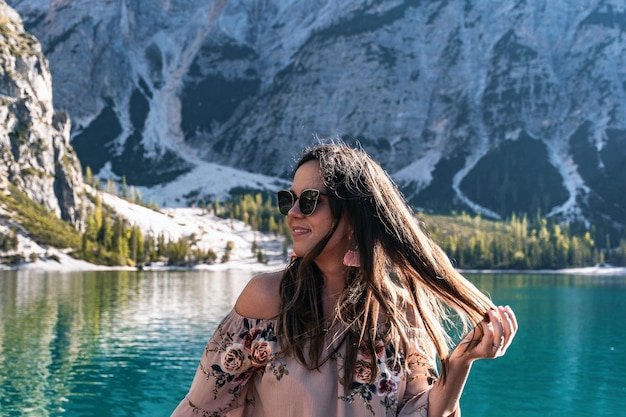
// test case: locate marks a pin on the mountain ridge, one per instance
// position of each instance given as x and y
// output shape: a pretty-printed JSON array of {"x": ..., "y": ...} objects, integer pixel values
[
  {"x": 438, "y": 92},
  {"x": 35, "y": 145}
]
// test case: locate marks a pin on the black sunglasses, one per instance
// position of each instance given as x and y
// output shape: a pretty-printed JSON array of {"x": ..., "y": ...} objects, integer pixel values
[{"x": 308, "y": 200}]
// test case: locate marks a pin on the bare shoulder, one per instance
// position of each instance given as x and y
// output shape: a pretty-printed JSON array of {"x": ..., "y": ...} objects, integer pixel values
[{"x": 260, "y": 299}]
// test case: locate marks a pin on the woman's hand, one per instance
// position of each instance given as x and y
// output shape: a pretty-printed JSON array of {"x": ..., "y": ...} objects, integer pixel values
[{"x": 490, "y": 338}]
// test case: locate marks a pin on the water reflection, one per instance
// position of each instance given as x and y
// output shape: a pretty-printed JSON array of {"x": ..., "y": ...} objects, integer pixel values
[
  {"x": 569, "y": 356},
  {"x": 99, "y": 341},
  {"x": 489, "y": 282},
  {"x": 127, "y": 344}
]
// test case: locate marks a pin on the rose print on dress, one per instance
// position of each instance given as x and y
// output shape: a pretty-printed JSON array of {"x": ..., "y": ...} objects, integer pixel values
[
  {"x": 390, "y": 366},
  {"x": 260, "y": 353},
  {"x": 242, "y": 356},
  {"x": 235, "y": 360}
]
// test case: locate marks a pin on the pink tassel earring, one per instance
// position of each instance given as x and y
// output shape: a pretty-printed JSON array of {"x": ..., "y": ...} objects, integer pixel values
[{"x": 352, "y": 257}]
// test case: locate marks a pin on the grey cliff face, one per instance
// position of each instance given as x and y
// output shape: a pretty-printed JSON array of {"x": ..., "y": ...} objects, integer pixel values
[
  {"x": 34, "y": 139},
  {"x": 499, "y": 107}
]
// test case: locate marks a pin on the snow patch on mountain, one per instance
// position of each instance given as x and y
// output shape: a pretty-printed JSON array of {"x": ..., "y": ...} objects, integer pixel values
[
  {"x": 205, "y": 230},
  {"x": 248, "y": 84},
  {"x": 208, "y": 181}
]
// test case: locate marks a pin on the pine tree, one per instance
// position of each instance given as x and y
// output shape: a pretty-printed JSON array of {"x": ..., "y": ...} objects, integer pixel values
[{"x": 124, "y": 187}]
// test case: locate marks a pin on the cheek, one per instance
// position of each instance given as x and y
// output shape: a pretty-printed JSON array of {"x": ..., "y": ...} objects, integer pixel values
[
  {"x": 344, "y": 229},
  {"x": 341, "y": 236},
  {"x": 321, "y": 231},
  {"x": 322, "y": 222}
]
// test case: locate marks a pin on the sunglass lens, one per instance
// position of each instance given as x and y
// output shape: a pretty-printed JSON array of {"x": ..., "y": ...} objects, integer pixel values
[
  {"x": 308, "y": 201},
  {"x": 285, "y": 201}
]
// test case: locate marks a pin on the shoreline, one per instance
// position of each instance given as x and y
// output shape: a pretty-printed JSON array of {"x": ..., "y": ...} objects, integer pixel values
[
  {"x": 68, "y": 264},
  {"x": 587, "y": 270},
  {"x": 210, "y": 232}
]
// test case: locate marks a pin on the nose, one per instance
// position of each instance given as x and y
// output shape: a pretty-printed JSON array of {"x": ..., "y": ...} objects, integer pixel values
[{"x": 295, "y": 210}]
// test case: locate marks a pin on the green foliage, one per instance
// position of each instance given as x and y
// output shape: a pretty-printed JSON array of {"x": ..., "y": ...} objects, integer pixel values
[
  {"x": 42, "y": 225},
  {"x": 177, "y": 252},
  {"x": 230, "y": 245},
  {"x": 470, "y": 241},
  {"x": 107, "y": 239},
  {"x": 89, "y": 179},
  {"x": 473, "y": 242},
  {"x": 8, "y": 241},
  {"x": 12, "y": 259},
  {"x": 255, "y": 208},
  {"x": 260, "y": 257},
  {"x": 110, "y": 240},
  {"x": 211, "y": 256}
]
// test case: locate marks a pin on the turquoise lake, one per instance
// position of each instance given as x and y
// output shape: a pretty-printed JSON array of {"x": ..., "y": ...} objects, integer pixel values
[{"x": 128, "y": 343}]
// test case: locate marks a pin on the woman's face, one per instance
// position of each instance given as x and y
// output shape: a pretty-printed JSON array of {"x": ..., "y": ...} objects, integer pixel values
[{"x": 307, "y": 231}]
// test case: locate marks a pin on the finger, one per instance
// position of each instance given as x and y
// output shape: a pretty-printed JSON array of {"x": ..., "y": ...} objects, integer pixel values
[
  {"x": 507, "y": 329},
  {"x": 498, "y": 329},
  {"x": 512, "y": 318},
  {"x": 496, "y": 333},
  {"x": 509, "y": 324}
]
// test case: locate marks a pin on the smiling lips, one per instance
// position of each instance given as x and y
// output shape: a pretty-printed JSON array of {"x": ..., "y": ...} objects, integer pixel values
[{"x": 298, "y": 231}]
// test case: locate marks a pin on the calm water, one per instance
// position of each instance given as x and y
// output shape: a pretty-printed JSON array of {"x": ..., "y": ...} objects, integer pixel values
[{"x": 127, "y": 344}]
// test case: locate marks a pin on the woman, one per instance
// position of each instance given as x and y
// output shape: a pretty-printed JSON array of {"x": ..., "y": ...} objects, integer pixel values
[{"x": 354, "y": 324}]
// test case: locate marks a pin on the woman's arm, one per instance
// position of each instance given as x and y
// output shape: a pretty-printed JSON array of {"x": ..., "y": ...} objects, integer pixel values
[{"x": 489, "y": 339}]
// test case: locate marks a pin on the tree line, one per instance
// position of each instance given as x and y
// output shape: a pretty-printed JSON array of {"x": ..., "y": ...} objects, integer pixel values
[
  {"x": 472, "y": 242},
  {"x": 111, "y": 240},
  {"x": 106, "y": 238},
  {"x": 475, "y": 243}
]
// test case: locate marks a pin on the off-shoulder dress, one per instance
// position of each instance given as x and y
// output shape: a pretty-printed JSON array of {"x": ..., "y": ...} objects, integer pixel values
[{"x": 242, "y": 372}]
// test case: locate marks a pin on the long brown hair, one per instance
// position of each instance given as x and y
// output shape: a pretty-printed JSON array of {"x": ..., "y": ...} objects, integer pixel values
[{"x": 404, "y": 277}]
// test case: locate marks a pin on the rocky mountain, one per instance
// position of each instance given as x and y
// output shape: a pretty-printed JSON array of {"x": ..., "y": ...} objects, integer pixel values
[
  {"x": 35, "y": 151},
  {"x": 498, "y": 107}
]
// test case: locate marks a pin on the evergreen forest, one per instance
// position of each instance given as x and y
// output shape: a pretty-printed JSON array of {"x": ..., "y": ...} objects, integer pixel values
[{"x": 472, "y": 242}]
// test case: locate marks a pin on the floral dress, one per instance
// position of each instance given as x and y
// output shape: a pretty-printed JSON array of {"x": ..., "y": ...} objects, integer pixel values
[{"x": 243, "y": 373}]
